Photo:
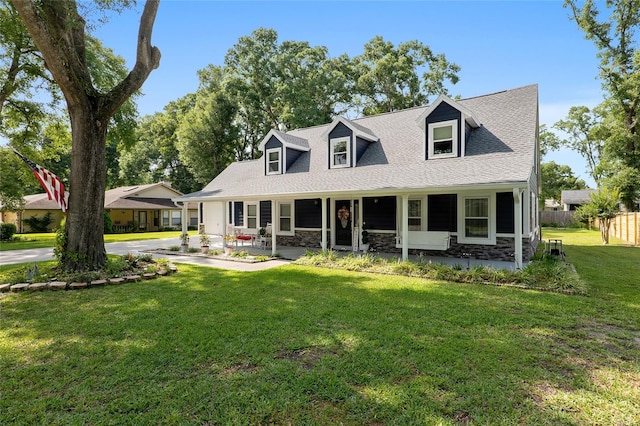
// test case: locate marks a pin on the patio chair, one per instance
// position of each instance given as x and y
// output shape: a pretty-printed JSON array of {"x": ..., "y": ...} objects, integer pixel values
[{"x": 265, "y": 240}]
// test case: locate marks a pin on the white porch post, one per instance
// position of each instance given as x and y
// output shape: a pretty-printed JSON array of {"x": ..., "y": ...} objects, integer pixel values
[
  {"x": 517, "y": 223},
  {"x": 405, "y": 227},
  {"x": 185, "y": 212},
  {"x": 274, "y": 226},
  {"x": 225, "y": 207},
  {"x": 323, "y": 200}
]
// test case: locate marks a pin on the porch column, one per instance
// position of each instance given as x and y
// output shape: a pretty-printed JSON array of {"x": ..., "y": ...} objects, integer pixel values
[
  {"x": 405, "y": 227},
  {"x": 323, "y": 200},
  {"x": 517, "y": 224},
  {"x": 184, "y": 216},
  {"x": 225, "y": 207},
  {"x": 274, "y": 217}
]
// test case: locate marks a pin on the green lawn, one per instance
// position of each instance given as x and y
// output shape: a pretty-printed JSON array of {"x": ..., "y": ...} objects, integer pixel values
[
  {"x": 304, "y": 345},
  {"x": 30, "y": 241}
]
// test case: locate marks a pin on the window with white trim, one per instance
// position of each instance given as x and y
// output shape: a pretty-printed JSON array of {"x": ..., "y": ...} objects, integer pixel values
[
  {"x": 340, "y": 152},
  {"x": 252, "y": 216},
  {"x": 285, "y": 217},
  {"x": 476, "y": 218},
  {"x": 165, "y": 218},
  {"x": 176, "y": 218},
  {"x": 415, "y": 215},
  {"x": 274, "y": 161},
  {"x": 443, "y": 139}
]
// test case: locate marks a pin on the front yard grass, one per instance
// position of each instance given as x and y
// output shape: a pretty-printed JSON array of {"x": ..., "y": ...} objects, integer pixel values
[
  {"x": 42, "y": 240},
  {"x": 305, "y": 345}
]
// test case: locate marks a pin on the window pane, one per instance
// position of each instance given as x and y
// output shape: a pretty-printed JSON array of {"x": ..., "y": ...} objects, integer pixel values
[
  {"x": 415, "y": 208},
  {"x": 274, "y": 167},
  {"x": 476, "y": 207},
  {"x": 339, "y": 159},
  {"x": 445, "y": 147},
  {"x": 445, "y": 132},
  {"x": 340, "y": 147},
  {"x": 415, "y": 224},
  {"x": 274, "y": 156},
  {"x": 251, "y": 222},
  {"x": 476, "y": 228},
  {"x": 285, "y": 210},
  {"x": 285, "y": 224},
  {"x": 251, "y": 210}
]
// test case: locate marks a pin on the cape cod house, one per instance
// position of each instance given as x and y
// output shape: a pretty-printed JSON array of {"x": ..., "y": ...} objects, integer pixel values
[{"x": 455, "y": 178}]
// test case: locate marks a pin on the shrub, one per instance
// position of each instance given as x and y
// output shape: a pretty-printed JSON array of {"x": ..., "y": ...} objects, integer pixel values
[
  {"x": 108, "y": 223},
  {"x": 39, "y": 224},
  {"x": 7, "y": 230}
]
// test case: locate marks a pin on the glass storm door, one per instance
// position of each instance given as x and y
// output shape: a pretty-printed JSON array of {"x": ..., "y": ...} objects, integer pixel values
[{"x": 344, "y": 219}]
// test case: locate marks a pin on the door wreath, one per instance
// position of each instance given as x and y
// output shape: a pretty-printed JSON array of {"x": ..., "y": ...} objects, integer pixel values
[{"x": 343, "y": 215}]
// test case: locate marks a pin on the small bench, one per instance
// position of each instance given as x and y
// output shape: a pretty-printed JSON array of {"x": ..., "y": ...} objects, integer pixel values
[{"x": 427, "y": 240}]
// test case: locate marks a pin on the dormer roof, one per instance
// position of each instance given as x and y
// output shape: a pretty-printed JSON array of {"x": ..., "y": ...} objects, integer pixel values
[
  {"x": 288, "y": 141},
  {"x": 467, "y": 114},
  {"x": 357, "y": 129}
]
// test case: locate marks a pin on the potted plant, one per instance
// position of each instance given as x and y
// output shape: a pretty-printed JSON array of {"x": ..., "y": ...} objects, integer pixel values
[
  {"x": 365, "y": 239},
  {"x": 228, "y": 243},
  {"x": 184, "y": 242},
  {"x": 204, "y": 243},
  {"x": 262, "y": 232}
]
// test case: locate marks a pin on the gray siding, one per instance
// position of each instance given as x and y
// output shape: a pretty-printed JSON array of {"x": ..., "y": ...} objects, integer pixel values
[
  {"x": 361, "y": 147},
  {"x": 292, "y": 156}
]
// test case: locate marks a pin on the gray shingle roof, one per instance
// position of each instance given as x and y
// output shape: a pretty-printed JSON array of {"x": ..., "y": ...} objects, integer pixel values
[
  {"x": 502, "y": 150},
  {"x": 576, "y": 196}
]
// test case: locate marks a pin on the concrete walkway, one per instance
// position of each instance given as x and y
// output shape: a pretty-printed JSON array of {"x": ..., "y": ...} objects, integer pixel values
[{"x": 143, "y": 246}]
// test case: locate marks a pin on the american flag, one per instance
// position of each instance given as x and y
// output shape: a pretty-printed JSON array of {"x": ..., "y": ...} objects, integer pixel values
[{"x": 50, "y": 182}]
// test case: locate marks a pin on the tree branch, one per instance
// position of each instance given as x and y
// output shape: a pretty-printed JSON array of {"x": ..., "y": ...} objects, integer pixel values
[{"x": 147, "y": 59}]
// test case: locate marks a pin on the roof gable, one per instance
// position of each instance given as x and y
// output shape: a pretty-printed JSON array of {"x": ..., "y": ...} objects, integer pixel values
[
  {"x": 358, "y": 130},
  {"x": 287, "y": 140},
  {"x": 468, "y": 115}
]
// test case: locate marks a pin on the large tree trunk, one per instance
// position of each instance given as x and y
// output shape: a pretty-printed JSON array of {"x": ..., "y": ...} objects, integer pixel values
[
  {"x": 58, "y": 31},
  {"x": 84, "y": 249}
]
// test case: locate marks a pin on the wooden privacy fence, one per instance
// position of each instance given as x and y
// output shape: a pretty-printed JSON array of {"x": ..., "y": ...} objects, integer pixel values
[
  {"x": 559, "y": 217},
  {"x": 625, "y": 226}
]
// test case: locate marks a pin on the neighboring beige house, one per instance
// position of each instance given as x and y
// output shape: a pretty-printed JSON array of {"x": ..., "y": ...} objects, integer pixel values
[{"x": 137, "y": 208}]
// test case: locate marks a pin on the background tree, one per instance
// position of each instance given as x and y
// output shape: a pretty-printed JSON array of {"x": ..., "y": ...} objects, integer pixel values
[
  {"x": 556, "y": 178},
  {"x": 586, "y": 136},
  {"x": 390, "y": 78},
  {"x": 58, "y": 32},
  {"x": 207, "y": 135},
  {"x": 603, "y": 206},
  {"x": 615, "y": 38}
]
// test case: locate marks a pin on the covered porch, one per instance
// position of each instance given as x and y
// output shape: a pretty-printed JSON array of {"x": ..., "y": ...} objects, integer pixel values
[{"x": 484, "y": 224}]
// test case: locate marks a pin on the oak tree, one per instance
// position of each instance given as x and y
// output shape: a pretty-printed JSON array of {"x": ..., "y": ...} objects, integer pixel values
[{"x": 58, "y": 32}]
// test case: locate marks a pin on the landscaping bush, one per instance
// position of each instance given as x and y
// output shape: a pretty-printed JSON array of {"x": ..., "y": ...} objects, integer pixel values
[
  {"x": 39, "y": 224},
  {"x": 7, "y": 230},
  {"x": 108, "y": 223}
]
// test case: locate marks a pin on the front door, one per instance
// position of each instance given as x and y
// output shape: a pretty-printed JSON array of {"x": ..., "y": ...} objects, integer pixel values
[{"x": 344, "y": 218}]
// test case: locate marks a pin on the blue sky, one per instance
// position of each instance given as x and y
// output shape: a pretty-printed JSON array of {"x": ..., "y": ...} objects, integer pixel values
[{"x": 498, "y": 44}]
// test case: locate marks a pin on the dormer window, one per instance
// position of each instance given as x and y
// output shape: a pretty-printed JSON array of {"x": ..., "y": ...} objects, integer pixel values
[
  {"x": 274, "y": 161},
  {"x": 340, "y": 153},
  {"x": 443, "y": 139}
]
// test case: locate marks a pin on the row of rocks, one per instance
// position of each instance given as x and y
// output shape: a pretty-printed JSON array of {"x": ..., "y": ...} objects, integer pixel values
[{"x": 63, "y": 285}]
